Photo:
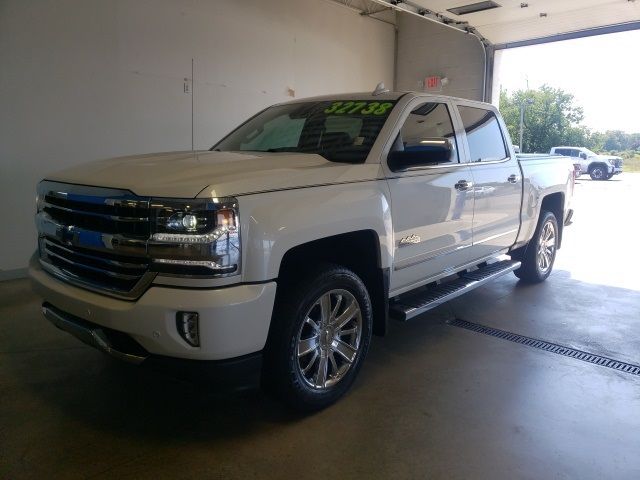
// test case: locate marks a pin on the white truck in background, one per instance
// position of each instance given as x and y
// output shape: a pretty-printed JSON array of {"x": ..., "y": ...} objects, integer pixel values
[
  {"x": 275, "y": 255},
  {"x": 599, "y": 167}
]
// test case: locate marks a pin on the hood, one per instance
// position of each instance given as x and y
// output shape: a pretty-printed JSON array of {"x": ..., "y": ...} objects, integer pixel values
[
  {"x": 217, "y": 174},
  {"x": 606, "y": 157}
]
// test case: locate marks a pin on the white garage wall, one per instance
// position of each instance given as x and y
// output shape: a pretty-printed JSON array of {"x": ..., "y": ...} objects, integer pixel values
[
  {"x": 88, "y": 79},
  {"x": 426, "y": 48}
]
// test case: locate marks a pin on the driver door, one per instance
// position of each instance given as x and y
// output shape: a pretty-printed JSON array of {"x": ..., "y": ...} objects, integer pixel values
[{"x": 432, "y": 205}]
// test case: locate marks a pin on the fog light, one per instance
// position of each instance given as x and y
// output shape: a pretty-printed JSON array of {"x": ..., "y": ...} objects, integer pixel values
[{"x": 188, "y": 328}]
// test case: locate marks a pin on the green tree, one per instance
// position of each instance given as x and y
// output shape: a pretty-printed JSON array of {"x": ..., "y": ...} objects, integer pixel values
[
  {"x": 616, "y": 140},
  {"x": 551, "y": 118},
  {"x": 597, "y": 141}
]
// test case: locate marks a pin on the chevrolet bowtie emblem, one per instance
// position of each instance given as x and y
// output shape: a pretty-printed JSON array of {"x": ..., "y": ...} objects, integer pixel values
[{"x": 410, "y": 240}]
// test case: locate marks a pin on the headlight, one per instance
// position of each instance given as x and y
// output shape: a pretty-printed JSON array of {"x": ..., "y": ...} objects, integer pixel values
[{"x": 195, "y": 237}]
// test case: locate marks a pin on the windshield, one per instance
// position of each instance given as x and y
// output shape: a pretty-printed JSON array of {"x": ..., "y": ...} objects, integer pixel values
[
  {"x": 589, "y": 152},
  {"x": 340, "y": 131}
]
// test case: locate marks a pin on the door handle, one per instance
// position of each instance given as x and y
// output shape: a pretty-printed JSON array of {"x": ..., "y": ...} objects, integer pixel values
[
  {"x": 513, "y": 178},
  {"x": 463, "y": 185}
]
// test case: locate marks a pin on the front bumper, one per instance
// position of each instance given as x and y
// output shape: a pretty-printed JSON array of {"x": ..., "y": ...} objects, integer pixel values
[
  {"x": 230, "y": 374},
  {"x": 234, "y": 321}
]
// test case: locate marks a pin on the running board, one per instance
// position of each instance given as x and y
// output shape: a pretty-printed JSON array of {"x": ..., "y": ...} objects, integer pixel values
[{"x": 414, "y": 304}]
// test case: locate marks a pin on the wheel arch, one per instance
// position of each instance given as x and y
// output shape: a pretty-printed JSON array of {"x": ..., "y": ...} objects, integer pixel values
[
  {"x": 554, "y": 203},
  {"x": 358, "y": 251},
  {"x": 592, "y": 165}
]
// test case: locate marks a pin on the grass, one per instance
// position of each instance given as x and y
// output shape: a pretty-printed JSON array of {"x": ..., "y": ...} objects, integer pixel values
[{"x": 632, "y": 164}]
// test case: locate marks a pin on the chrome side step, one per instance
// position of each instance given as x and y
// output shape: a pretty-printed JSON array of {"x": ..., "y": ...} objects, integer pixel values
[{"x": 413, "y": 304}]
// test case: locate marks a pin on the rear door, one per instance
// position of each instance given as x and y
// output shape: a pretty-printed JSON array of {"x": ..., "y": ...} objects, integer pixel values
[
  {"x": 497, "y": 180},
  {"x": 432, "y": 211}
]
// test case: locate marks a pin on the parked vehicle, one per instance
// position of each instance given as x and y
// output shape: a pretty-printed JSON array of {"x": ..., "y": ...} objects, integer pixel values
[
  {"x": 599, "y": 167},
  {"x": 277, "y": 254},
  {"x": 577, "y": 168}
]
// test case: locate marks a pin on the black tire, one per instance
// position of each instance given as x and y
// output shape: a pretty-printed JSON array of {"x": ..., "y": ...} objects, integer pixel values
[
  {"x": 531, "y": 271},
  {"x": 297, "y": 302},
  {"x": 598, "y": 172}
]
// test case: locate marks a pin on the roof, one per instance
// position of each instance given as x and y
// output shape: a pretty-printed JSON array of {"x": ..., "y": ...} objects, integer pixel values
[
  {"x": 368, "y": 96},
  {"x": 353, "y": 96}
]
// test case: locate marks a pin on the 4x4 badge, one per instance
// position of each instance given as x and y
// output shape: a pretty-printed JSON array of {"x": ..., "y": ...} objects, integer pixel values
[{"x": 410, "y": 240}]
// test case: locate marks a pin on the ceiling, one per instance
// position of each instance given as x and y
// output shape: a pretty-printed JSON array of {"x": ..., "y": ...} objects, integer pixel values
[{"x": 512, "y": 23}]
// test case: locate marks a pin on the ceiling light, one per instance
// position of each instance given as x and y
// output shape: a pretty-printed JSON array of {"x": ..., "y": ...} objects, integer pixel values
[{"x": 473, "y": 8}]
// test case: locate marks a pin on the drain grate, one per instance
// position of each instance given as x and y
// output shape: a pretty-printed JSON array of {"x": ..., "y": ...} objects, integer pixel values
[{"x": 548, "y": 346}]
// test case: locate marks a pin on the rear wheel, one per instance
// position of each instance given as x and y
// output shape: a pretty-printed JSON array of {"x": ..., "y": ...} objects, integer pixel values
[
  {"x": 598, "y": 172},
  {"x": 320, "y": 336},
  {"x": 540, "y": 254}
]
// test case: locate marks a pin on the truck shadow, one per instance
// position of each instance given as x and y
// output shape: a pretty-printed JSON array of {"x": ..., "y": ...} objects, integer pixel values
[{"x": 84, "y": 386}]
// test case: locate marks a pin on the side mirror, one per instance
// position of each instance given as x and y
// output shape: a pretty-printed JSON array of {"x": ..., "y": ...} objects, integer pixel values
[
  {"x": 583, "y": 156},
  {"x": 424, "y": 152}
]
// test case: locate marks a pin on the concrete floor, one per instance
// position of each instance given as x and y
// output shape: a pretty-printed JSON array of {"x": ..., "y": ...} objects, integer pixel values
[{"x": 433, "y": 400}]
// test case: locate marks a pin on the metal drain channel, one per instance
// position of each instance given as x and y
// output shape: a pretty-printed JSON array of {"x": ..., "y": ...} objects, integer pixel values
[{"x": 548, "y": 346}]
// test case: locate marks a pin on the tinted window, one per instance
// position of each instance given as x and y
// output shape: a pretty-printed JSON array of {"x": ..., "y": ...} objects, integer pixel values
[
  {"x": 483, "y": 134},
  {"x": 427, "y": 125},
  {"x": 575, "y": 153},
  {"x": 340, "y": 131},
  {"x": 562, "y": 151}
]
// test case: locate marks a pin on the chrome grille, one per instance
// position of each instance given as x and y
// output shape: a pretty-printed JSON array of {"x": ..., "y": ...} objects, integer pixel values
[{"x": 95, "y": 237}]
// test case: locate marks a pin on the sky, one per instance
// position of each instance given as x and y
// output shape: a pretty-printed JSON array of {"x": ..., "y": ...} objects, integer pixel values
[{"x": 602, "y": 72}]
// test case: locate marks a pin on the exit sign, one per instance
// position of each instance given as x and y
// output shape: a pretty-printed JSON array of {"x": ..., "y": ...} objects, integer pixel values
[{"x": 433, "y": 83}]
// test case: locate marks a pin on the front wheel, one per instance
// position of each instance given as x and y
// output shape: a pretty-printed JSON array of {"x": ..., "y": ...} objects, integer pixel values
[
  {"x": 320, "y": 337},
  {"x": 598, "y": 172},
  {"x": 538, "y": 259}
]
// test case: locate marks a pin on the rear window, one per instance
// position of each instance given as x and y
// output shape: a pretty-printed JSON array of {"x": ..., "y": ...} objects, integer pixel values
[{"x": 483, "y": 134}]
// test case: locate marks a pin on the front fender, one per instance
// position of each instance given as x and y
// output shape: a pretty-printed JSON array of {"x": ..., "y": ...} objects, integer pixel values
[{"x": 274, "y": 222}]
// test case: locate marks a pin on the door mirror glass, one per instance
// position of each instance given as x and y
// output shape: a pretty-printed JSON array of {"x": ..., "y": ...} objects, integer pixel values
[
  {"x": 583, "y": 156},
  {"x": 421, "y": 153}
]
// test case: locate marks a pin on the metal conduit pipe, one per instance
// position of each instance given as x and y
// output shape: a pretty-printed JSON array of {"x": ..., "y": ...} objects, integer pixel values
[{"x": 468, "y": 30}]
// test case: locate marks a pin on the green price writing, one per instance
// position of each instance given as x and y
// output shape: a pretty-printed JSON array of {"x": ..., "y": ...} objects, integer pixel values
[{"x": 362, "y": 108}]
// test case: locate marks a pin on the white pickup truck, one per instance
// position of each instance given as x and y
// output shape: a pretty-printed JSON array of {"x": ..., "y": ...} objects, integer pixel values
[
  {"x": 599, "y": 167},
  {"x": 279, "y": 252}
]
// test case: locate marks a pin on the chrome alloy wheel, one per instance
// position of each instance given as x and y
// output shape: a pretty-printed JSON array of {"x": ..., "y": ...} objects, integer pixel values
[
  {"x": 546, "y": 247},
  {"x": 598, "y": 173},
  {"x": 329, "y": 338}
]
